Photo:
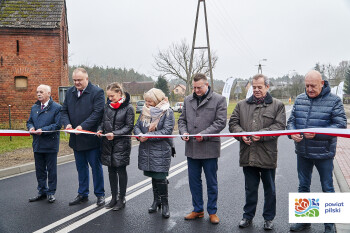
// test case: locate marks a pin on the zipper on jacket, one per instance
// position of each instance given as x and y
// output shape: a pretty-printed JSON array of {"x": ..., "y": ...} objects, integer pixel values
[
  {"x": 112, "y": 149},
  {"x": 307, "y": 123}
]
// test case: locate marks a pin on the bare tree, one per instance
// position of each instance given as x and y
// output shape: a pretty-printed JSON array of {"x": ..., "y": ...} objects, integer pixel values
[{"x": 175, "y": 62}]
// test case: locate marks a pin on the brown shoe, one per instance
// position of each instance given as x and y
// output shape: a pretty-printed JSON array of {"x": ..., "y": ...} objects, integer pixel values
[
  {"x": 214, "y": 219},
  {"x": 194, "y": 215}
]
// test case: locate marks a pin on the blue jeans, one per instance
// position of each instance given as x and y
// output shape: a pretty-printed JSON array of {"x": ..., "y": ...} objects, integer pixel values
[
  {"x": 82, "y": 161},
  {"x": 252, "y": 176},
  {"x": 46, "y": 171},
  {"x": 325, "y": 170},
  {"x": 210, "y": 167}
]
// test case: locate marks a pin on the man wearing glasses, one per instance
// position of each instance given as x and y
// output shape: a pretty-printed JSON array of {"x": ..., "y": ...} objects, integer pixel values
[{"x": 203, "y": 112}]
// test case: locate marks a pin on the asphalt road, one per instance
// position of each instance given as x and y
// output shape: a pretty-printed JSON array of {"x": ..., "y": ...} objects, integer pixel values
[{"x": 18, "y": 215}]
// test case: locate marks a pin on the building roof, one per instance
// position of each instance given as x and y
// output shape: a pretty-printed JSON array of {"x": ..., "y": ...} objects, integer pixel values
[
  {"x": 42, "y": 14},
  {"x": 137, "y": 88},
  {"x": 181, "y": 86}
]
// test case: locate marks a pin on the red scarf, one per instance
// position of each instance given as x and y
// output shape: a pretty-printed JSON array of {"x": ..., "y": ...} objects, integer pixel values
[{"x": 117, "y": 105}]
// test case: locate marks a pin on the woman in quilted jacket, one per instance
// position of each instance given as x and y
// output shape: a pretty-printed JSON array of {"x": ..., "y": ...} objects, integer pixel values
[
  {"x": 154, "y": 158},
  {"x": 118, "y": 120}
]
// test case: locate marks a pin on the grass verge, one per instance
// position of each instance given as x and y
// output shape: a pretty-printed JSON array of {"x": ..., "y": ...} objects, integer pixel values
[{"x": 20, "y": 142}]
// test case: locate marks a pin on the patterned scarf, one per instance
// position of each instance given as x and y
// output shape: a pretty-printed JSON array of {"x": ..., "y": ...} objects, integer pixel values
[
  {"x": 118, "y": 103},
  {"x": 150, "y": 116},
  {"x": 258, "y": 100}
]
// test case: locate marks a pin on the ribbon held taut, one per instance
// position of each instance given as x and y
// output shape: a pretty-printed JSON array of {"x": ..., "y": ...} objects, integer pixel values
[{"x": 326, "y": 131}]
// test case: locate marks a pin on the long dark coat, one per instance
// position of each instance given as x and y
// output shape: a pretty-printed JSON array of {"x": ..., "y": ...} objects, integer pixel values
[
  {"x": 86, "y": 111},
  {"x": 119, "y": 121}
]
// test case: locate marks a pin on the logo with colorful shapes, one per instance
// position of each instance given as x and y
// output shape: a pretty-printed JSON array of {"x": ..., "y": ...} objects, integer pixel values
[{"x": 307, "y": 207}]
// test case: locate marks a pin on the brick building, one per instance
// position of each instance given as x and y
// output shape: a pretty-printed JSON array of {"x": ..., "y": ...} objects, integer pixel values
[{"x": 33, "y": 51}]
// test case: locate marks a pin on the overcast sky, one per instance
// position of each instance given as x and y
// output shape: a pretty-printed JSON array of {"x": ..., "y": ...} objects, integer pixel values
[{"x": 290, "y": 34}]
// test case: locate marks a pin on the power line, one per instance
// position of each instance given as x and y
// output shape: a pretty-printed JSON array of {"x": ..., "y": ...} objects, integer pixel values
[
  {"x": 237, "y": 47},
  {"x": 235, "y": 30}
]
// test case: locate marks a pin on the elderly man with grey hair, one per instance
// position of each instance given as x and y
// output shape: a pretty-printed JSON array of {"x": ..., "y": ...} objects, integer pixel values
[
  {"x": 258, "y": 155},
  {"x": 316, "y": 108},
  {"x": 45, "y": 116}
]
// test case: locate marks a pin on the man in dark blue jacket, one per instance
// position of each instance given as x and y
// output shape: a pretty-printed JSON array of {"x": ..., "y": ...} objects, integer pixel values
[
  {"x": 45, "y": 116},
  {"x": 317, "y": 108},
  {"x": 83, "y": 110}
]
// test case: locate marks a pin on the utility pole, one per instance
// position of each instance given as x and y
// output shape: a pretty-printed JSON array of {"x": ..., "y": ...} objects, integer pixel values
[
  {"x": 207, "y": 47},
  {"x": 260, "y": 66}
]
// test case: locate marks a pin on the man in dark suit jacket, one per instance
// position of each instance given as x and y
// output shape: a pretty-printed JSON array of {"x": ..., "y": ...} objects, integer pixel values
[
  {"x": 45, "y": 116},
  {"x": 83, "y": 110}
]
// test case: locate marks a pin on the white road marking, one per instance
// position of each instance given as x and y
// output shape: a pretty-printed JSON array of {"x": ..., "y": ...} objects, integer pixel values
[
  {"x": 96, "y": 214},
  {"x": 128, "y": 197},
  {"x": 93, "y": 206}
]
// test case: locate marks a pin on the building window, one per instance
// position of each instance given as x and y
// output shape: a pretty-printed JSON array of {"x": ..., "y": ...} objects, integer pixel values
[
  {"x": 17, "y": 42},
  {"x": 62, "y": 94},
  {"x": 21, "y": 82}
]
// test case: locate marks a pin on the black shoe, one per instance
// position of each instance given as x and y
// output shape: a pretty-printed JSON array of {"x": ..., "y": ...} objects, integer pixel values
[
  {"x": 78, "y": 200},
  {"x": 38, "y": 198},
  {"x": 100, "y": 201},
  {"x": 268, "y": 225},
  {"x": 51, "y": 198},
  {"x": 120, "y": 204},
  {"x": 112, "y": 203},
  {"x": 245, "y": 223},
  {"x": 329, "y": 229},
  {"x": 299, "y": 226}
]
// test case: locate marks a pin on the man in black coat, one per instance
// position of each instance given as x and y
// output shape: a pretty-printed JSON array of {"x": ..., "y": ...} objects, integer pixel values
[
  {"x": 83, "y": 110},
  {"x": 45, "y": 116}
]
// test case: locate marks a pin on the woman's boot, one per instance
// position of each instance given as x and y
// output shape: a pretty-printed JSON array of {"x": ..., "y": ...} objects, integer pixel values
[
  {"x": 120, "y": 203},
  {"x": 156, "y": 198},
  {"x": 162, "y": 186},
  {"x": 114, "y": 187},
  {"x": 113, "y": 202}
]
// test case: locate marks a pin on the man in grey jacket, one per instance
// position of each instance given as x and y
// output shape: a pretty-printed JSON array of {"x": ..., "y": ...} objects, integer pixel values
[
  {"x": 258, "y": 155},
  {"x": 204, "y": 112}
]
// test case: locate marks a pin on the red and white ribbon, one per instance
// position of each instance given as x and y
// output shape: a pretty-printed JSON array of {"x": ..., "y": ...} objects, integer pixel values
[{"x": 327, "y": 131}]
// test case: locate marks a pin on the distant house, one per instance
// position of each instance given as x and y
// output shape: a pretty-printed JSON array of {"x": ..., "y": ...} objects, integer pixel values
[
  {"x": 137, "y": 89},
  {"x": 278, "y": 85},
  {"x": 179, "y": 90},
  {"x": 33, "y": 51}
]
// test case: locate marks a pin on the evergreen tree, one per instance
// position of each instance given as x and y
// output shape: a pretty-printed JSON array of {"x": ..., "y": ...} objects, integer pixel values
[
  {"x": 162, "y": 84},
  {"x": 321, "y": 68},
  {"x": 347, "y": 82}
]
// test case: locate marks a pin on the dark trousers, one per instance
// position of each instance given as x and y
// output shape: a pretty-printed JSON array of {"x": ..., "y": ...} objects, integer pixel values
[
  {"x": 252, "y": 176},
  {"x": 118, "y": 175},
  {"x": 325, "y": 170},
  {"x": 82, "y": 161},
  {"x": 46, "y": 172},
  {"x": 210, "y": 167}
]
